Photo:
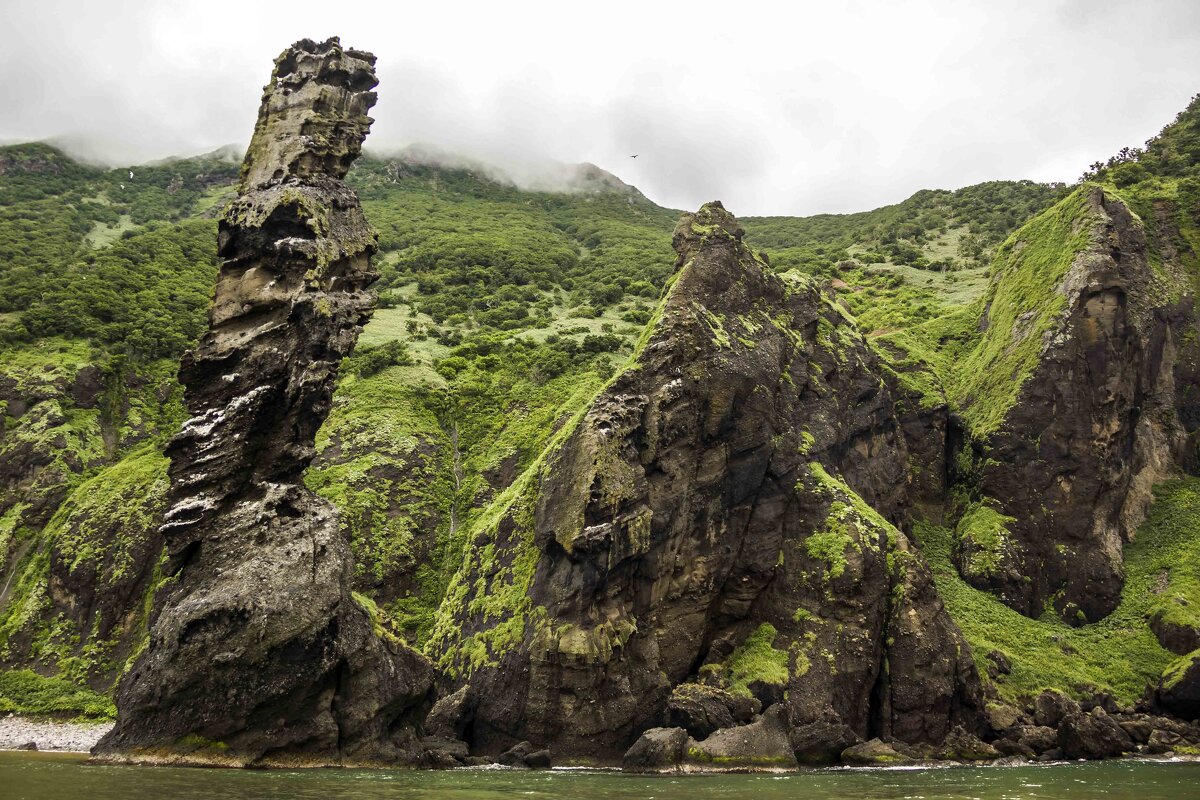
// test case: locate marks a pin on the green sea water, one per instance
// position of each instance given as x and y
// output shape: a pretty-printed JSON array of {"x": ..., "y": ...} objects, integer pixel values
[{"x": 38, "y": 776}]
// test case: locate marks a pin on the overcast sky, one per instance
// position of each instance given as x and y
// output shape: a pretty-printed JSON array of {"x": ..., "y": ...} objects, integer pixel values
[{"x": 774, "y": 108}]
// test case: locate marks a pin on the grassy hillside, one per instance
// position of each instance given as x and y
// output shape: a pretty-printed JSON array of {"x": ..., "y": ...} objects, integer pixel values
[{"x": 499, "y": 306}]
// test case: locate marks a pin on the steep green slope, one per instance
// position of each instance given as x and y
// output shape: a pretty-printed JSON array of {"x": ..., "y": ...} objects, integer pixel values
[
  {"x": 500, "y": 308},
  {"x": 1118, "y": 655},
  {"x": 1022, "y": 302}
]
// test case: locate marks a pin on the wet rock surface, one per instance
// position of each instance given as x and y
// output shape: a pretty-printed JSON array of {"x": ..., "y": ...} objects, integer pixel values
[
  {"x": 657, "y": 750},
  {"x": 701, "y": 710},
  {"x": 874, "y": 753},
  {"x": 258, "y": 653},
  {"x": 764, "y": 744},
  {"x": 1094, "y": 735}
]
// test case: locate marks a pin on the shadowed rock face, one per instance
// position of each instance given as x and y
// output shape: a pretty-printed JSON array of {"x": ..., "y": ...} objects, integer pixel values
[
  {"x": 258, "y": 653},
  {"x": 707, "y": 520},
  {"x": 1101, "y": 419}
]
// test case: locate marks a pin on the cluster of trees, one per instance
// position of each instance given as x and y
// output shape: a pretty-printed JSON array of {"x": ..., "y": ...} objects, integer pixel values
[
  {"x": 484, "y": 254},
  {"x": 898, "y": 234},
  {"x": 369, "y": 360},
  {"x": 145, "y": 296},
  {"x": 1173, "y": 152},
  {"x": 538, "y": 362}
]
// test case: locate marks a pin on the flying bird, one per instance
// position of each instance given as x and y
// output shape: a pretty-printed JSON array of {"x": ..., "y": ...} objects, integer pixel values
[{"x": 635, "y": 155}]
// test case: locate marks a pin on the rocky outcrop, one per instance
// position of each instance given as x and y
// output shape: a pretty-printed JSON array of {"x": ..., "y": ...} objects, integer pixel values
[
  {"x": 875, "y": 753},
  {"x": 1090, "y": 341},
  {"x": 702, "y": 710},
  {"x": 259, "y": 653},
  {"x": 1094, "y": 735},
  {"x": 764, "y": 744},
  {"x": 657, "y": 750},
  {"x": 719, "y": 514},
  {"x": 1179, "y": 690}
]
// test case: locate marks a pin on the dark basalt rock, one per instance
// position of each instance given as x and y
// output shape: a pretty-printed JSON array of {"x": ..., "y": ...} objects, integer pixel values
[
  {"x": 875, "y": 753},
  {"x": 451, "y": 715},
  {"x": 764, "y": 744},
  {"x": 1093, "y": 428},
  {"x": 524, "y": 755},
  {"x": 1178, "y": 638},
  {"x": 1160, "y": 742},
  {"x": 1051, "y": 707},
  {"x": 701, "y": 710},
  {"x": 712, "y": 518},
  {"x": 1093, "y": 735},
  {"x": 258, "y": 653},
  {"x": 1009, "y": 746},
  {"x": 1038, "y": 738},
  {"x": 657, "y": 750},
  {"x": 960, "y": 745},
  {"x": 822, "y": 742},
  {"x": 1179, "y": 690}
]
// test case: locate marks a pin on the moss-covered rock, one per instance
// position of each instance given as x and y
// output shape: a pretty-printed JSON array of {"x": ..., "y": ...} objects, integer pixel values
[
  {"x": 714, "y": 505},
  {"x": 1179, "y": 688},
  {"x": 1071, "y": 403}
]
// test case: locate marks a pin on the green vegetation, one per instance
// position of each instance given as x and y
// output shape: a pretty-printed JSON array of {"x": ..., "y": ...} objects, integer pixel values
[
  {"x": 104, "y": 524},
  {"x": 983, "y": 533},
  {"x": 1172, "y": 527},
  {"x": 503, "y": 311},
  {"x": 755, "y": 661},
  {"x": 1024, "y": 300},
  {"x": 934, "y": 230},
  {"x": 1173, "y": 153},
  {"x": 829, "y": 545},
  {"x": 1119, "y": 654},
  {"x": 23, "y": 691}
]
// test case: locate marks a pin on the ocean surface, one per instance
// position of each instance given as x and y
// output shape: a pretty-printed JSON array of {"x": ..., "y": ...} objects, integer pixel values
[{"x": 37, "y": 776}]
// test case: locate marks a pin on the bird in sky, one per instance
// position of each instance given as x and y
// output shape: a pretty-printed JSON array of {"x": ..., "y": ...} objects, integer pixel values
[{"x": 635, "y": 155}]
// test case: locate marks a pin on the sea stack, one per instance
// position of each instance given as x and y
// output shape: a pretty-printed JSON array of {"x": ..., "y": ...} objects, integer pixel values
[{"x": 259, "y": 654}]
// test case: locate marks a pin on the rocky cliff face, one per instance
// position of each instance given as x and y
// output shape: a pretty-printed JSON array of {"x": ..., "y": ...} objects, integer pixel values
[
  {"x": 719, "y": 515},
  {"x": 1092, "y": 342},
  {"x": 259, "y": 654}
]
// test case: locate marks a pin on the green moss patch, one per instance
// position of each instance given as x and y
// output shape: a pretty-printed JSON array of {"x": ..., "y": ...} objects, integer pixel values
[
  {"x": 23, "y": 691},
  {"x": 982, "y": 534},
  {"x": 755, "y": 661}
]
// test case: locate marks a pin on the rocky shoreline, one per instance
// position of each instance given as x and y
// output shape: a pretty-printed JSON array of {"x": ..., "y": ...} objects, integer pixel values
[
  {"x": 1090, "y": 735},
  {"x": 1054, "y": 728},
  {"x": 23, "y": 733}
]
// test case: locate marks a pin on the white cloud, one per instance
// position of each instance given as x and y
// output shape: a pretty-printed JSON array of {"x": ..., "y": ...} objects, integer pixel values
[{"x": 773, "y": 108}]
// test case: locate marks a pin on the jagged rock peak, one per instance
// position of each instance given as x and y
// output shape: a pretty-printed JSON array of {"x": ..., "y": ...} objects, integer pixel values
[
  {"x": 313, "y": 117},
  {"x": 712, "y": 220},
  {"x": 730, "y": 492}
]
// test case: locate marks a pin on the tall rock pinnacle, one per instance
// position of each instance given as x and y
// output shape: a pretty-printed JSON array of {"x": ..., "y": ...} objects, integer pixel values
[{"x": 258, "y": 653}]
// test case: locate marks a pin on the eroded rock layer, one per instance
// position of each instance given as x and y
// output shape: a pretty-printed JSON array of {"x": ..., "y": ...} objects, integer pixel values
[
  {"x": 259, "y": 653},
  {"x": 720, "y": 517}
]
